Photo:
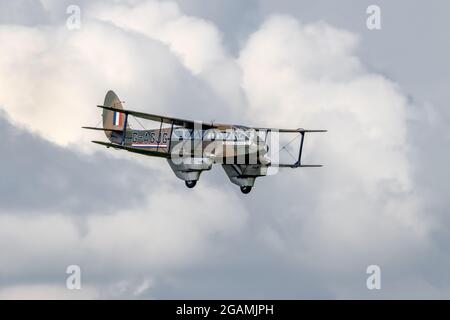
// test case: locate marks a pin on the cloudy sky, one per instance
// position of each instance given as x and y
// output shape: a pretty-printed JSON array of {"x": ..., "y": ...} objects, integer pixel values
[{"x": 133, "y": 227}]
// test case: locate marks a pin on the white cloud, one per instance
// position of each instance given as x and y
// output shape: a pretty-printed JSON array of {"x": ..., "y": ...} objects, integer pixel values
[
  {"x": 151, "y": 54},
  {"x": 197, "y": 42},
  {"x": 365, "y": 202},
  {"x": 166, "y": 231}
]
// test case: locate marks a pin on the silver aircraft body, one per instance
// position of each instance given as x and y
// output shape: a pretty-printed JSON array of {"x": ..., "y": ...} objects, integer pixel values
[{"x": 191, "y": 147}]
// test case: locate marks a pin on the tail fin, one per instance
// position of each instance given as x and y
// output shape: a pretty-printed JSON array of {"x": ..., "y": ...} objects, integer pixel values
[{"x": 113, "y": 120}]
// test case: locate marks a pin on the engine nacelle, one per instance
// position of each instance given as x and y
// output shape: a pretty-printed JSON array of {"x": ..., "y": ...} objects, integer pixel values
[
  {"x": 244, "y": 175},
  {"x": 189, "y": 169}
]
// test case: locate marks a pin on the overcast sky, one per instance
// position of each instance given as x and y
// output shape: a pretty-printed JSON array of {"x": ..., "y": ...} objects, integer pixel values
[{"x": 133, "y": 227}]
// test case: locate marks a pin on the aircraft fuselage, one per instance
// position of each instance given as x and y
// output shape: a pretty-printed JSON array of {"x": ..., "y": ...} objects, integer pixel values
[{"x": 231, "y": 145}]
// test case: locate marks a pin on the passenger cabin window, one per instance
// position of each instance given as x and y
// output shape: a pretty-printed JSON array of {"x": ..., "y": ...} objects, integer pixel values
[
  {"x": 187, "y": 134},
  {"x": 213, "y": 134},
  {"x": 241, "y": 135},
  {"x": 219, "y": 135},
  {"x": 210, "y": 135},
  {"x": 198, "y": 134},
  {"x": 230, "y": 136},
  {"x": 181, "y": 134}
]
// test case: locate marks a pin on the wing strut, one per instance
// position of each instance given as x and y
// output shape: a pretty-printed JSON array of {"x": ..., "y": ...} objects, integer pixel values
[
  {"x": 298, "y": 163},
  {"x": 124, "y": 129},
  {"x": 159, "y": 138},
  {"x": 170, "y": 138}
]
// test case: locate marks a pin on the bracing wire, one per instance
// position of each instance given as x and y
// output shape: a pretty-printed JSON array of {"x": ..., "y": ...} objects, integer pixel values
[{"x": 287, "y": 144}]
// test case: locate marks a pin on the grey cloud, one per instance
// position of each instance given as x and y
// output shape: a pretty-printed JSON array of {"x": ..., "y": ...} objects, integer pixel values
[
  {"x": 23, "y": 12},
  {"x": 40, "y": 176},
  {"x": 235, "y": 19},
  {"x": 409, "y": 48}
]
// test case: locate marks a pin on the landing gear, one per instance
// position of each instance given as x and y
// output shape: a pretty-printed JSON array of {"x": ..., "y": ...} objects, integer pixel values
[
  {"x": 246, "y": 189},
  {"x": 190, "y": 184}
]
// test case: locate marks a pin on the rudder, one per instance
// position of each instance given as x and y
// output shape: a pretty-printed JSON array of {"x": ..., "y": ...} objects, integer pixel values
[{"x": 111, "y": 119}]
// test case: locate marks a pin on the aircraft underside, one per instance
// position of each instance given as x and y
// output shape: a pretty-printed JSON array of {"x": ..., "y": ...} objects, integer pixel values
[{"x": 243, "y": 175}]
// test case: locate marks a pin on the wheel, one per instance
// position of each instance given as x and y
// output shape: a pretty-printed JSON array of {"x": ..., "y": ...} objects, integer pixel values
[
  {"x": 246, "y": 189},
  {"x": 190, "y": 184}
]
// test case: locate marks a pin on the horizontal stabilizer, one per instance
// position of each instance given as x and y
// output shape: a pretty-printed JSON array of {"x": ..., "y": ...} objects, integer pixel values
[
  {"x": 103, "y": 129},
  {"x": 134, "y": 149}
]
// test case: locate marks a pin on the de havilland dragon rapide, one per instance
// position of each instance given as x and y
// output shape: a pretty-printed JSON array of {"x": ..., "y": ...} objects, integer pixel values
[{"x": 191, "y": 147}]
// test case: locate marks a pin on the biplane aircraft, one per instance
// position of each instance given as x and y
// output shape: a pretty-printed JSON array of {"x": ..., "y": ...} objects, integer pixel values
[{"x": 192, "y": 147}]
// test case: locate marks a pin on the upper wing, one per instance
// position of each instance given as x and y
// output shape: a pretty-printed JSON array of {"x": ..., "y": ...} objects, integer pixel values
[
  {"x": 190, "y": 123},
  {"x": 301, "y": 133},
  {"x": 169, "y": 120}
]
